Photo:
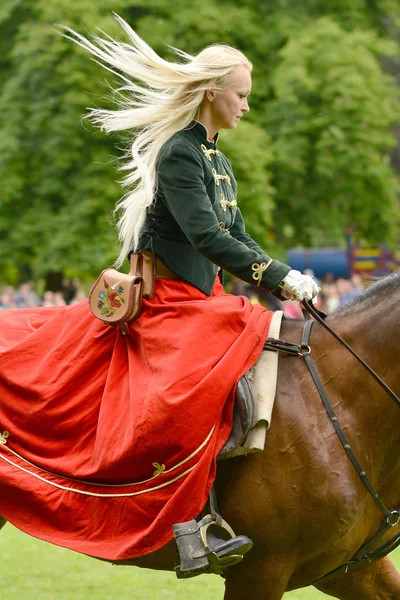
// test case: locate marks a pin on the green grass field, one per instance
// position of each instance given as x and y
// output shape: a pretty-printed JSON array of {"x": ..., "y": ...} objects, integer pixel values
[{"x": 34, "y": 570}]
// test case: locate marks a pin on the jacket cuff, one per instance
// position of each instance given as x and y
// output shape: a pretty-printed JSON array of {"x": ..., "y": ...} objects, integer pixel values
[{"x": 273, "y": 276}]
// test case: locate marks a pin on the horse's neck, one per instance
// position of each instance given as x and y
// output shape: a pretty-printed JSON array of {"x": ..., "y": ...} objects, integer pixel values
[
  {"x": 373, "y": 333},
  {"x": 371, "y": 419}
]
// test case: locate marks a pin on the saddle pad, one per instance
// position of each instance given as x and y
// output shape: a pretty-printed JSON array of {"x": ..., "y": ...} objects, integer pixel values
[{"x": 263, "y": 377}]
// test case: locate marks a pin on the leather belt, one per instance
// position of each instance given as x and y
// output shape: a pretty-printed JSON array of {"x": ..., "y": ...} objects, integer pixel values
[{"x": 163, "y": 271}]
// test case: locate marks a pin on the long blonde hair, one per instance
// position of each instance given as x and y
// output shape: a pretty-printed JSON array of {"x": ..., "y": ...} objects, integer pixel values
[{"x": 166, "y": 102}]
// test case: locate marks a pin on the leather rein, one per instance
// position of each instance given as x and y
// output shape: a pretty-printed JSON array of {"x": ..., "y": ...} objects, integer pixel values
[{"x": 391, "y": 517}]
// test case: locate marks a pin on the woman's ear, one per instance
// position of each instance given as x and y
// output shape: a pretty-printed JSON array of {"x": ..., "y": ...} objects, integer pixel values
[{"x": 210, "y": 95}]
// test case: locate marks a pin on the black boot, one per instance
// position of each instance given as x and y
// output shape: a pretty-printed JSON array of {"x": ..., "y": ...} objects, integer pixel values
[{"x": 202, "y": 552}]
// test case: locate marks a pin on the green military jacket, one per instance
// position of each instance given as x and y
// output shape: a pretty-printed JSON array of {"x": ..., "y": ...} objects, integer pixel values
[{"x": 195, "y": 225}]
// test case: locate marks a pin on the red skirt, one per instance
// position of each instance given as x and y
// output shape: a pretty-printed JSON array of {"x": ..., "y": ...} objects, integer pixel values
[{"x": 108, "y": 440}]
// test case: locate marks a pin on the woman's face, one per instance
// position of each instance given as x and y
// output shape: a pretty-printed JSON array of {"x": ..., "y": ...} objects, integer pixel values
[{"x": 229, "y": 105}]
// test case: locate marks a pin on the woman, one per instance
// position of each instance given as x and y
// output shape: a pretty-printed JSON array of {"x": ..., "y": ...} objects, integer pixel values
[{"x": 93, "y": 406}]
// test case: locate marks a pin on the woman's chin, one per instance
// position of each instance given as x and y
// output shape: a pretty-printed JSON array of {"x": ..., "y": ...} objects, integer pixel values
[{"x": 230, "y": 124}]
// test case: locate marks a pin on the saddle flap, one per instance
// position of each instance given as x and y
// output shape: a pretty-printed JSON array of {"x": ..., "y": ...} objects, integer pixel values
[
  {"x": 243, "y": 415},
  {"x": 244, "y": 403}
]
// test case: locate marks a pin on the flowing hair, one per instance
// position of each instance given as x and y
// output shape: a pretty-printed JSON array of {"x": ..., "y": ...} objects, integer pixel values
[{"x": 157, "y": 99}]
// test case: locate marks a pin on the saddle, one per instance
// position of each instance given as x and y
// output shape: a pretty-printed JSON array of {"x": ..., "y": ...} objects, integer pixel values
[
  {"x": 254, "y": 400},
  {"x": 243, "y": 415}
]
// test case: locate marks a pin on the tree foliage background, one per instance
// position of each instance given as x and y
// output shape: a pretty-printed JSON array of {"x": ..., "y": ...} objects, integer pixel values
[{"x": 316, "y": 154}]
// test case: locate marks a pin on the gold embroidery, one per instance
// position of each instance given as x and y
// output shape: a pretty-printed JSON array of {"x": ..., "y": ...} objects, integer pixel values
[
  {"x": 224, "y": 203},
  {"x": 217, "y": 177},
  {"x": 158, "y": 469},
  {"x": 106, "y": 485},
  {"x": 259, "y": 269},
  {"x": 3, "y": 437},
  {"x": 221, "y": 225},
  {"x": 208, "y": 152},
  {"x": 97, "y": 494}
]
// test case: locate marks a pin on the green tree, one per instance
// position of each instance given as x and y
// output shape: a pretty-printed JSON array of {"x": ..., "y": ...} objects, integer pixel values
[
  {"x": 330, "y": 120},
  {"x": 311, "y": 158},
  {"x": 58, "y": 188}
]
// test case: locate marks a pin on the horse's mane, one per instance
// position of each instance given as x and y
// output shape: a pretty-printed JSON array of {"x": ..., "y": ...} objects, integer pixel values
[{"x": 383, "y": 284}]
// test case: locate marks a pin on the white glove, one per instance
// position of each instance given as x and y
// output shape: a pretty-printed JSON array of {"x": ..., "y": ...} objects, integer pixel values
[{"x": 296, "y": 286}]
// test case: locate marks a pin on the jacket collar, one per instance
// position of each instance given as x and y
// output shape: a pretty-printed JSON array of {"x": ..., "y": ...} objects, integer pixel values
[{"x": 201, "y": 134}]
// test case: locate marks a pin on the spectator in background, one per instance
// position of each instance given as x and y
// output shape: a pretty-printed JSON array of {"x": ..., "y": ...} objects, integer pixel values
[
  {"x": 48, "y": 298},
  {"x": 329, "y": 293},
  {"x": 8, "y": 297},
  {"x": 357, "y": 283},
  {"x": 58, "y": 299},
  {"x": 80, "y": 293},
  {"x": 345, "y": 290},
  {"x": 333, "y": 293},
  {"x": 68, "y": 289},
  {"x": 79, "y": 296},
  {"x": 28, "y": 295}
]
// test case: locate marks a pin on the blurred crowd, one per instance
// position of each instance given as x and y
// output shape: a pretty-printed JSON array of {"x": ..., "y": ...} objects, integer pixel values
[
  {"x": 334, "y": 292},
  {"x": 27, "y": 296}
]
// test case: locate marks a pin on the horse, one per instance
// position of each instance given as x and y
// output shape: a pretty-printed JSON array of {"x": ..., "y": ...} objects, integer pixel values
[{"x": 301, "y": 500}]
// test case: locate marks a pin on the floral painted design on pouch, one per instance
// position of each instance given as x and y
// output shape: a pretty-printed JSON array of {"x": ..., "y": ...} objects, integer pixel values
[{"x": 110, "y": 298}]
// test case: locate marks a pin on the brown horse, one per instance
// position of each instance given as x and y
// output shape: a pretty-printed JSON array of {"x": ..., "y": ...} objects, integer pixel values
[{"x": 301, "y": 500}]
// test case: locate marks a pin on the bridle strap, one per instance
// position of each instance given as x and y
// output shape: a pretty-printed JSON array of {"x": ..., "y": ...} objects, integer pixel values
[
  {"x": 392, "y": 517},
  {"x": 335, "y": 422},
  {"x": 320, "y": 317}
]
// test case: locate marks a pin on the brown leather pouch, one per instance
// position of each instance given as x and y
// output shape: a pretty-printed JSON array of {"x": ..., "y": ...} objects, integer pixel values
[{"x": 116, "y": 298}]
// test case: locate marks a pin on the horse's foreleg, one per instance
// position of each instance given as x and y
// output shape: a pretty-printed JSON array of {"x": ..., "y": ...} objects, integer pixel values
[
  {"x": 378, "y": 581},
  {"x": 2, "y": 522}
]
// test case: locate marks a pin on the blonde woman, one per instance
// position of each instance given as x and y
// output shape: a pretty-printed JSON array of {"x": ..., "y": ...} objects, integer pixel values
[{"x": 121, "y": 432}]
